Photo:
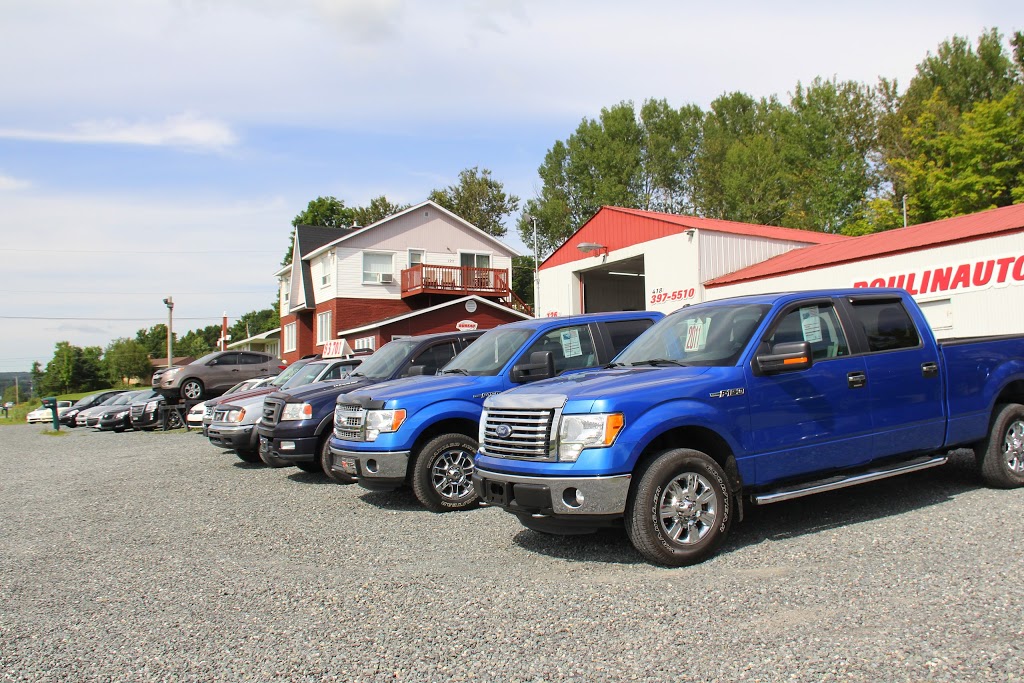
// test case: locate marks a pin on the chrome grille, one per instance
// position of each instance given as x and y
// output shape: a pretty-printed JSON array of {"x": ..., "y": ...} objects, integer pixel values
[
  {"x": 220, "y": 415},
  {"x": 137, "y": 411},
  {"x": 272, "y": 409},
  {"x": 349, "y": 421},
  {"x": 529, "y": 433}
]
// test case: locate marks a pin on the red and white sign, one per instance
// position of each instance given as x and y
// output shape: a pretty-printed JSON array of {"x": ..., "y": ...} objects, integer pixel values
[
  {"x": 336, "y": 348},
  {"x": 465, "y": 325},
  {"x": 996, "y": 272}
]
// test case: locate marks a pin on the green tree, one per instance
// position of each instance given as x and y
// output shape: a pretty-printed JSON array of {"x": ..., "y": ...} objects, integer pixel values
[
  {"x": 155, "y": 340},
  {"x": 378, "y": 209},
  {"x": 72, "y": 369},
  {"x": 125, "y": 359},
  {"x": 326, "y": 212},
  {"x": 479, "y": 199},
  {"x": 522, "y": 278}
]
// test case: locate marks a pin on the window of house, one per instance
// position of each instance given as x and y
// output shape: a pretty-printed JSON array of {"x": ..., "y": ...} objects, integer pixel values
[
  {"x": 365, "y": 343},
  {"x": 326, "y": 265},
  {"x": 377, "y": 268},
  {"x": 470, "y": 260},
  {"x": 289, "y": 337},
  {"x": 416, "y": 257},
  {"x": 323, "y": 327}
]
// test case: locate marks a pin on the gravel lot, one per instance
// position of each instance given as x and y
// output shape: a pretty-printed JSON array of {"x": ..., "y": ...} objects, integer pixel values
[{"x": 157, "y": 557}]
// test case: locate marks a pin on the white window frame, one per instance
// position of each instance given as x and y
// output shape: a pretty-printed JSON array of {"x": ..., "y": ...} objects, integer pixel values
[
  {"x": 288, "y": 334},
  {"x": 488, "y": 254},
  {"x": 423, "y": 257},
  {"x": 365, "y": 343},
  {"x": 373, "y": 280},
  {"x": 324, "y": 327},
  {"x": 325, "y": 269}
]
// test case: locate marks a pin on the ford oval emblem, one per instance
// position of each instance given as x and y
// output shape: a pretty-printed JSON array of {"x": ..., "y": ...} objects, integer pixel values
[{"x": 502, "y": 431}]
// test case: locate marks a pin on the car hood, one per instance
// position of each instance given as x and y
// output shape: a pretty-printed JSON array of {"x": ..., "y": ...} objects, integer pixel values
[
  {"x": 443, "y": 386},
  {"x": 322, "y": 389},
  {"x": 240, "y": 396}
]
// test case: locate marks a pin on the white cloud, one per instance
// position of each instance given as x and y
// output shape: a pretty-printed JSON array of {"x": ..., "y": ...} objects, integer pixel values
[
  {"x": 10, "y": 183},
  {"x": 187, "y": 130}
]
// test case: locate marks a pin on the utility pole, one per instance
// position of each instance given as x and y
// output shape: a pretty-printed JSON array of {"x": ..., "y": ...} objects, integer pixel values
[
  {"x": 170, "y": 330},
  {"x": 904, "y": 211},
  {"x": 536, "y": 271}
]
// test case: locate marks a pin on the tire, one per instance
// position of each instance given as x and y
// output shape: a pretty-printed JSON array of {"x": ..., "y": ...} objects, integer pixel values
[
  {"x": 680, "y": 511},
  {"x": 191, "y": 389},
  {"x": 248, "y": 456},
  {"x": 271, "y": 460},
  {"x": 442, "y": 473},
  {"x": 174, "y": 420},
  {"x": 1001, "y": 456},
  {"x": 326, "y": 460}
]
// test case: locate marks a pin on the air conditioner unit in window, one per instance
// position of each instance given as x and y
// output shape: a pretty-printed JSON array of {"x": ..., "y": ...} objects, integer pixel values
[{"x": 385, "y": 278}]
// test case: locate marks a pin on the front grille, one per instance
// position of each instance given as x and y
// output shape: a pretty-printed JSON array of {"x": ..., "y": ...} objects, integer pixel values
[
  {"x": 138, "y": 410},
  {"x": 272, "y": 409},
  {"x": 220, "y": 415},
  {"x": 528, "y": 433},
  {"x": 208, "y": 411},
  {"x": 349, "y": 422}
]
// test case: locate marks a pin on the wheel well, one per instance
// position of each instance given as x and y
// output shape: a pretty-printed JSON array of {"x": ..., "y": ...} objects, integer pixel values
[
  {"x": 1012, "y": 393},
  {"x": 450, "y": 426},
  {"x": 700, "y": 439}
]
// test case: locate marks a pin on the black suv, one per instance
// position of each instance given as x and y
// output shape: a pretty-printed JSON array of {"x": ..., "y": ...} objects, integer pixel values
[{"x": 296, "y": 424}]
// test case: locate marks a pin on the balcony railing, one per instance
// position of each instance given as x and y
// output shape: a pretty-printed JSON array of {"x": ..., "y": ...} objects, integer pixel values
[{"x": 491, "y": 282}]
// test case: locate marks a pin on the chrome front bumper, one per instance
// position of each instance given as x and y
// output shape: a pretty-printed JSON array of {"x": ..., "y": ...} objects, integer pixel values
[
  {"x": 601, "y": 495},
  {"x": 382, "y": 466}
]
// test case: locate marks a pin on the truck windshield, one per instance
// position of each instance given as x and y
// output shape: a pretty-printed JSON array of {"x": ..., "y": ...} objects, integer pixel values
[
  {"x": 385, "y": 360},
  {"x": 488, "y": 354},
  {"x": 696, "y": 335},
  {"x": 305, "y": 375},
  {"x": 288, "y": 373}
]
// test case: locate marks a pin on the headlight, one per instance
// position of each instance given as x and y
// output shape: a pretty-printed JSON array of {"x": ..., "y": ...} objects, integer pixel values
[
  {"x": 170, "y": 373},
  {"x": 71, "y": 413},
  {"x": 236, "y": 415},
  {"x": 118, "y": 416},
  {"x": 297, "y": 411},
  {"x": 587, "y": 431},
  {"x": 152, "y": 405},
  {"x": 378, "y": 421}
]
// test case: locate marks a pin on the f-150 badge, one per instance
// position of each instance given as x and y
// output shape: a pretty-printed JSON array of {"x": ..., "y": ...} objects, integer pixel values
[{"x": 726, "y": 393}]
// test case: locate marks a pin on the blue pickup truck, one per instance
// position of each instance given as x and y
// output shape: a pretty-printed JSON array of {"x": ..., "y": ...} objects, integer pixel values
[
  {"x": 422, "y": 431},
  {"x": 750, "y": 400}
]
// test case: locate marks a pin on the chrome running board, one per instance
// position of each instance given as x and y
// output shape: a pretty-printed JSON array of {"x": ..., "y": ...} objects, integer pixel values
[{"x": 842, "y": 481}]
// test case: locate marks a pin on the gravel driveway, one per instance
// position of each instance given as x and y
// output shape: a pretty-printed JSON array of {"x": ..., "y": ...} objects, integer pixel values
[{"x": 157, "y": 557}]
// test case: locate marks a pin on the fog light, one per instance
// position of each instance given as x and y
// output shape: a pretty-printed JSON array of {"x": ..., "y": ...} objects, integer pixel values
[
  {"x": 371, "y": 466},
  {"x": 287, "y": 446},
  {"x": 572, "y": 497}
]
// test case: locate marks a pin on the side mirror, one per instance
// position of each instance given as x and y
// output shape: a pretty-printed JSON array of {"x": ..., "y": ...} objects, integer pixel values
[
  {"x": 785, "y": 357},
  {"x": 416, "y": 370},
  {"x": 541, "y": 366}
]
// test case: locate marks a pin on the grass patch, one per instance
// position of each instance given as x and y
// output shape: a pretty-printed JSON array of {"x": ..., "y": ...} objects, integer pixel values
[{"x": 50, "y": 432}]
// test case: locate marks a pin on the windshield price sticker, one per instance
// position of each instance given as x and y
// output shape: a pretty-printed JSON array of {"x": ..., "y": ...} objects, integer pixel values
[
  {"x": 571, "y": 343},
  {"x": 695, "y": 336},
  {"x": 811, "y": 324}
]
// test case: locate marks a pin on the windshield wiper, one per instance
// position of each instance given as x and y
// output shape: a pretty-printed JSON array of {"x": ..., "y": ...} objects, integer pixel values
[
  {"x": 456, "y": 371},
  {"x": 661, "y": 361},
  {"x": 356, "y": 374},
  {"x": 613, "y": 365}
]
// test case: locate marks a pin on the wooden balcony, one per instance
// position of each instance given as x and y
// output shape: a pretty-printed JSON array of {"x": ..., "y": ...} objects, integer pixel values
[{"x": 461, "y": 281}]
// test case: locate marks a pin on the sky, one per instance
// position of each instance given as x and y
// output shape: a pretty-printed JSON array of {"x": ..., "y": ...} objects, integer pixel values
[{"x": 162, "y": 147}]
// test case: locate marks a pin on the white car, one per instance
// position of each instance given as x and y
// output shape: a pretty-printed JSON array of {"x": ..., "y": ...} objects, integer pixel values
[{"x": 44, "y": 414}]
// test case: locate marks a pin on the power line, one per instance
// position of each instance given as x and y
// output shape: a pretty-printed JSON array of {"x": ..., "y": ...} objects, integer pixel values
[
  {"x": 120, "y": 293},
  {"x": 139, "y": 251},
  {"x": 160, "y": 318}
]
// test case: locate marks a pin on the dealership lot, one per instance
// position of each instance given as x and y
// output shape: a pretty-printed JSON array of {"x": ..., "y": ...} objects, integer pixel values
[{"x": 155, "y": 556}]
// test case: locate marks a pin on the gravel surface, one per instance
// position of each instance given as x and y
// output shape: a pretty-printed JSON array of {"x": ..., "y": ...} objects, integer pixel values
[{"x": 157, "y": 557}]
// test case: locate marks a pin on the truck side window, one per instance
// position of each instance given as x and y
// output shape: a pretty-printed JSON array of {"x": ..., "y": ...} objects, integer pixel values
[
  {"x": 817, "y": 325},
  {"x": 886, "y": 324},
  {"x": 571, "y": 348},
  {"x": 623, "y": 332},
  {"x": 437, "y": 356}
]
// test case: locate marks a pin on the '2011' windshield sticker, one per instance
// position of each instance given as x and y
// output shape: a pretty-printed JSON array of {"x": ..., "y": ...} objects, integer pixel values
[
  {"x": 571, "y": 343},
  {"x": 811, "y": 324},
  {"x": 695, "y": 336}
]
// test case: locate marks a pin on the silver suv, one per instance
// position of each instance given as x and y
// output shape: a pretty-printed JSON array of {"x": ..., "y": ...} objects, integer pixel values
[{"x": 214, "y": 373}]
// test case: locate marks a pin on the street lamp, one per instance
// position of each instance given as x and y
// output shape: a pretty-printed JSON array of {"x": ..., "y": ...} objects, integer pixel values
[
  {"x": 170, "y": 335},
  {"x": 536, "y": 271}
]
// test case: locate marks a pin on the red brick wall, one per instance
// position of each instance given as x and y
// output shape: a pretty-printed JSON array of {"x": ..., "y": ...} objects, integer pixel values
[{"x": 305, "y": 341}]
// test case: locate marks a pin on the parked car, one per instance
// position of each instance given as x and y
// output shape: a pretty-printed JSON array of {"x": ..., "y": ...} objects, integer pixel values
[
  {"x": 46, "y": 415},
  {"x": 146, "y": 415},
  {"x": 90, "y": 416},
  {"x": 194, "y": 419},
  {"x": 117, "y": 417},
  {"x": 297, "y": 422},
  {"x": 750, "y": 401},
  {"x": 261, "y": 390},
  {"x": 67, "y": 418},
  {"x": 234, "y": 420},
  {"x": 213, "y": 374},
  {"x": 422, "y": 431}
]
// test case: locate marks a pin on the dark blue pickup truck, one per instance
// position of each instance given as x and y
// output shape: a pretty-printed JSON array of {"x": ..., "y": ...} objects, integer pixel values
[
  {"x": 750, "y": 400},
  {"x": 422, "y": 431}
]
